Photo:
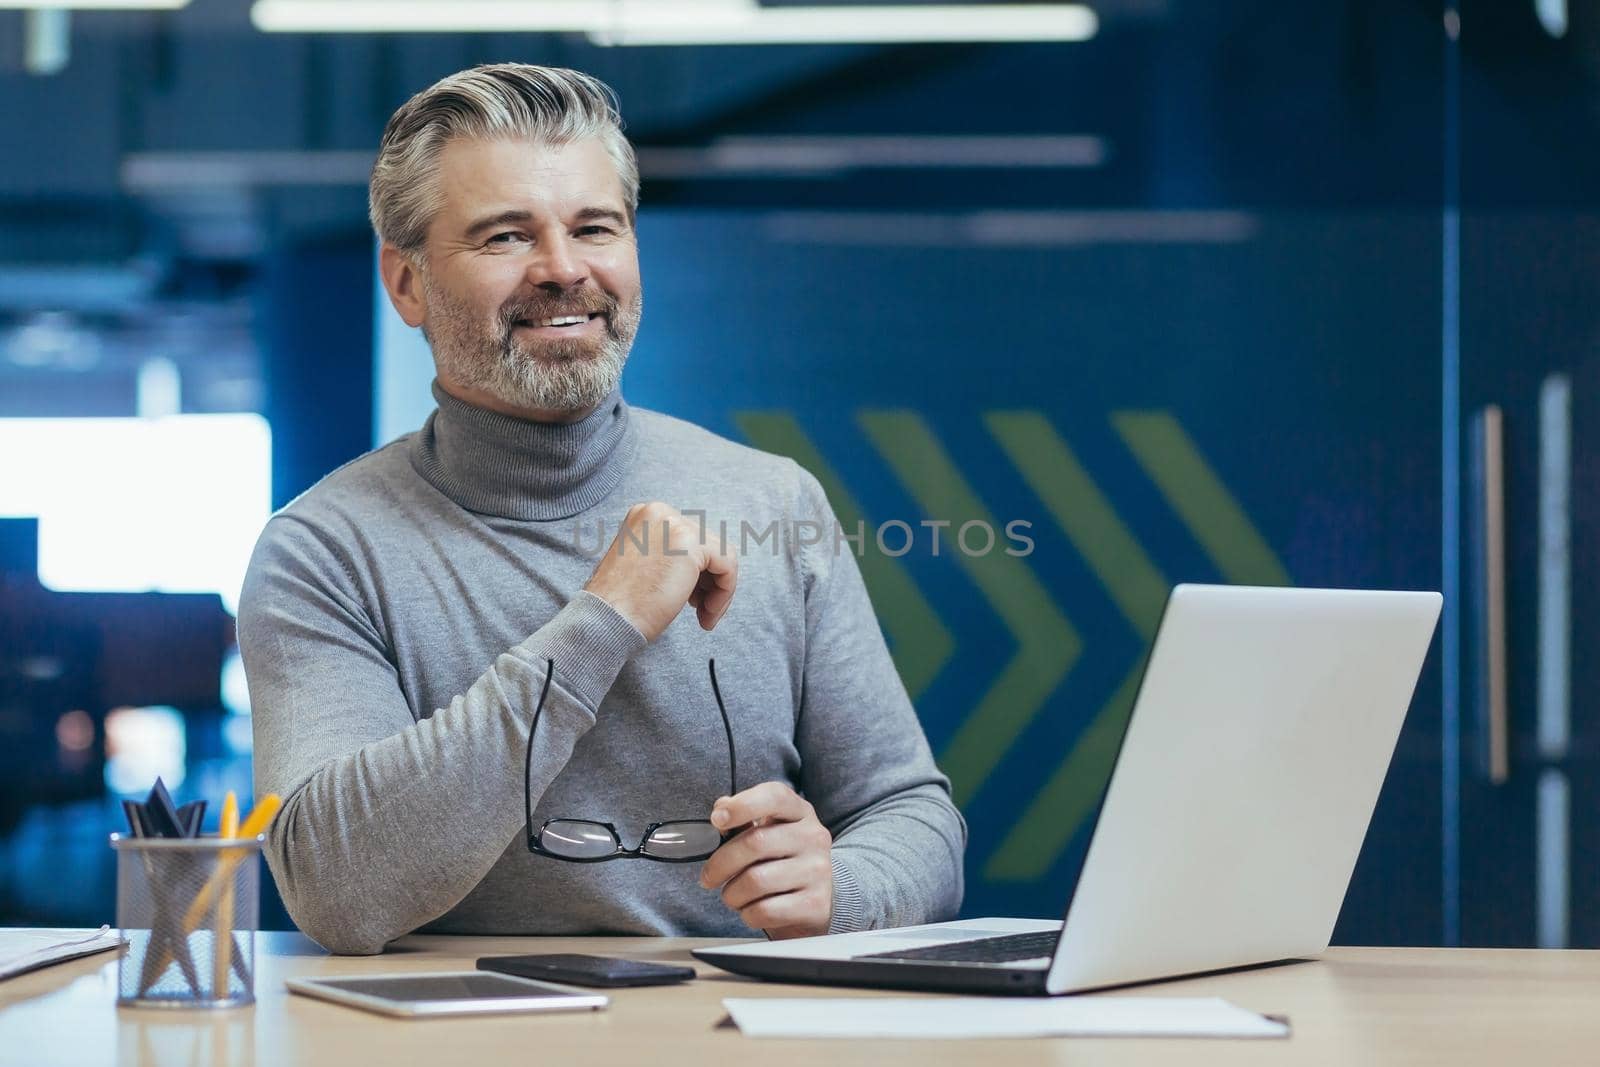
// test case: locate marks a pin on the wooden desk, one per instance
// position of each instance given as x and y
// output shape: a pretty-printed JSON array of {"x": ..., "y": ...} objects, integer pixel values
[{"x": 1356, "y": 1006}]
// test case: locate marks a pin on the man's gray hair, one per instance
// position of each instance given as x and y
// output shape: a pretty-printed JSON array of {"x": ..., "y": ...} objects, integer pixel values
[{"x": 499, "y": 101}]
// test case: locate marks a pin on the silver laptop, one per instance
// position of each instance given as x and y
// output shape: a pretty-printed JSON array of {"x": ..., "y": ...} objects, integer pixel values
[{"x": 1227, "y": 834}]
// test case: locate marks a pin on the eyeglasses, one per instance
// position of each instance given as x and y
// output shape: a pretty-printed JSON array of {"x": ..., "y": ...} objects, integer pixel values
[{"x": 588, "y": 841}]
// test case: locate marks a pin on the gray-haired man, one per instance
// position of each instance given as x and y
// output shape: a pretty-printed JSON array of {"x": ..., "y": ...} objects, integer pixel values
[{"x": 399, "y": 619}]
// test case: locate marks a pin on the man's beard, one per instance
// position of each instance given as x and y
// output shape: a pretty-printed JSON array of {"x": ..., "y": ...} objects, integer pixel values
[{"x": 554, "y": 374}]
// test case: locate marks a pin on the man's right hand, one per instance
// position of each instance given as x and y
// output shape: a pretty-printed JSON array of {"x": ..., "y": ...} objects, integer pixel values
[{"x": 661, "y": 560}]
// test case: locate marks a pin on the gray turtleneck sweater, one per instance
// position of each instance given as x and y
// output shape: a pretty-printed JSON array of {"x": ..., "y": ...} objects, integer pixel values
[{"x": 394, "y": 626}]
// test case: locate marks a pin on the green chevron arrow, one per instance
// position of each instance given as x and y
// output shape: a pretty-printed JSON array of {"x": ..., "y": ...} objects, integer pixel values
[
  {"x": 1047, "y": 644},
  {"x": 1172, "y": 460},
  {"x": 1082, "y": 511},
  {"x": 1059, "y": 810},
  {"x": 1138, "y": 589},
  {"x": 918, "y": 639}
]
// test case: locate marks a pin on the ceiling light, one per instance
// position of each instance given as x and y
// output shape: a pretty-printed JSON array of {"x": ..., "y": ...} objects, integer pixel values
[
  {"x": 466, "y": 16},
  {"x": 687, "y": 22},
  {"x": 851, "y": 24}
]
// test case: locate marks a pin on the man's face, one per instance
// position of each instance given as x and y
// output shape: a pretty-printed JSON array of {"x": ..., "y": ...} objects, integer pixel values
[{"x": 532, "y": 291}]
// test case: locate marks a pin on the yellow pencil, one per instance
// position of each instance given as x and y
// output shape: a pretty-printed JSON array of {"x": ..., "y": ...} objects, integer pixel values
[
  {"x": 226, "y": 864},
  {"x": 257, "y": 820},
  {"x": 227, "y": 829},
  {"x": 265, "y": 809}
]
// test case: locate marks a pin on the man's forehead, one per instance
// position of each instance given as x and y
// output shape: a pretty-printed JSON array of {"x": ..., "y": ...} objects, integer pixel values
[{"x": 478, "y": 176}]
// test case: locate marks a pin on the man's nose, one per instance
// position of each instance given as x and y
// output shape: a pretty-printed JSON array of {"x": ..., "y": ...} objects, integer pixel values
[{"x": 558, "y": 266}]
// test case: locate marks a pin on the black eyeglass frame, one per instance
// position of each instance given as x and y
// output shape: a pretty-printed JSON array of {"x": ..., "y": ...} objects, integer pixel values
[{"x": 621, "y": 851}]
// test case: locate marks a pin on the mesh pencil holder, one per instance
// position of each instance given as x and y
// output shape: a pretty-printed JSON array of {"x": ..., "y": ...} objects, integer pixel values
[{"x": 189, "y": 909}]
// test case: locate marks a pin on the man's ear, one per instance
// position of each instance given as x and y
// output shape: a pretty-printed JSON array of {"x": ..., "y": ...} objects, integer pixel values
[{"x": 403, "y": 283}]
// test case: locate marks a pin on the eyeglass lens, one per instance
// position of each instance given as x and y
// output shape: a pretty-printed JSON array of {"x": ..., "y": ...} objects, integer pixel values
[
  {"x": 579, "y": 839},
  {"x": 682, "y": 840}
]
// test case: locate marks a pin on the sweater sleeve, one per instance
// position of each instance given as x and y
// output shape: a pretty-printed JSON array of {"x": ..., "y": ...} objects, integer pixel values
[
  {"x": 389, "y": 820},
  {"x": 865, "y": 762}
]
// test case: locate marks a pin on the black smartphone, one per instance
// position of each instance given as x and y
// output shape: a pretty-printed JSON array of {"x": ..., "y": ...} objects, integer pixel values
[{"x": 602, "y": 971}]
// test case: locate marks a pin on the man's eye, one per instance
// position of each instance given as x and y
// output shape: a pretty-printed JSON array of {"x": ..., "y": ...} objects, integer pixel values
[
  {"x": 588, "y": 230},
  {"x": 506, "y": 238}
]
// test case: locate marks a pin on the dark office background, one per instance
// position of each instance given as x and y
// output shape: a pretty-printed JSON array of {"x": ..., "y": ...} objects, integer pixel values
[{"x": 1220, "y": 293}]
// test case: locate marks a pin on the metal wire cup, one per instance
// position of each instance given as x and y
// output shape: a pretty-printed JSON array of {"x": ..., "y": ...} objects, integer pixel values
[{"x": 189, "y": 909}]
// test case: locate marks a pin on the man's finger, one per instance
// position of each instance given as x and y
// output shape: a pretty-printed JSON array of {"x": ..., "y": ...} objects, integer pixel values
[
  {"x": 718, "y": 580},
  {"x": 754, "y": 846},
  {"x": 772, "y": 800},
  {"x": 773, "y": 876},
  {"x": 807, "y": 909},
  {"x": 710, "y": 600}
]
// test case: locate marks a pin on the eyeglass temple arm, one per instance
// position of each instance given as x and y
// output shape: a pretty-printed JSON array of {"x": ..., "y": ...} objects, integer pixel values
[
  {"x": 733, "y": 761},
  {"x": 527, "y": 760}
]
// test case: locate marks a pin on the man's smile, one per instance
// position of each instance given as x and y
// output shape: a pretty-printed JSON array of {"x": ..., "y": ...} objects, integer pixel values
[{"x": 563, "y": 325}]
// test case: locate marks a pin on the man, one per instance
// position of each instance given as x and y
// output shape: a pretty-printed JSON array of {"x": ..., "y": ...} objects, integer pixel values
[{"x": 399, "y": 619}]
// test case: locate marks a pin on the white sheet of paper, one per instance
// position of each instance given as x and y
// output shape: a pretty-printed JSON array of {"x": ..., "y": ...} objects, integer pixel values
[
  {"x": 946, "y": 1017},
  {"x": 25, "y": 949}
]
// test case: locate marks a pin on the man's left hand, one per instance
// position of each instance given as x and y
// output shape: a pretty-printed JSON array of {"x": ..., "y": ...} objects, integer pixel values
[{"x": 777, "y": 872}]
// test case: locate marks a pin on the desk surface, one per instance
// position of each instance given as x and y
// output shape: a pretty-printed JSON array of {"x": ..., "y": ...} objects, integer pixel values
[{"x": 1353, "y": 1006}]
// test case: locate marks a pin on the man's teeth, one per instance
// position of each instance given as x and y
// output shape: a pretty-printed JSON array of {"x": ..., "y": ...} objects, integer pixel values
[{"x": 563, "y": 320}]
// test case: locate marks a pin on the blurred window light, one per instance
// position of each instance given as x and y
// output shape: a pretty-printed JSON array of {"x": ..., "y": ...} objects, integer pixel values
[
  {"x": 75, "y": 731},
  {"x": 159, "y": 389},
  {"x": 93, "y": 5},
  {"x": 143, "y": 744},
  {"x": 40, "y": 668},
  {"x": 238, "y": 735},
  {"x": 1552, "y": 16},
  {"x": 167, "y": 504},
  {"x": 47, "y": 41},
  {"x": 235, "y": 692},
  {"x": 48, "y": 340},
  {"x": 689, "y": 22}
]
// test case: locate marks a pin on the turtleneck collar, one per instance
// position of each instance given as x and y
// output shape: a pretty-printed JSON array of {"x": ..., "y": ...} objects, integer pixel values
[{"x": 513, "y": 468}]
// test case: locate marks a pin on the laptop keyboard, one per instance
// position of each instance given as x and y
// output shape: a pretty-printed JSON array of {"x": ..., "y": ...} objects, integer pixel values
[{"x": 1010, "y": 948}]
